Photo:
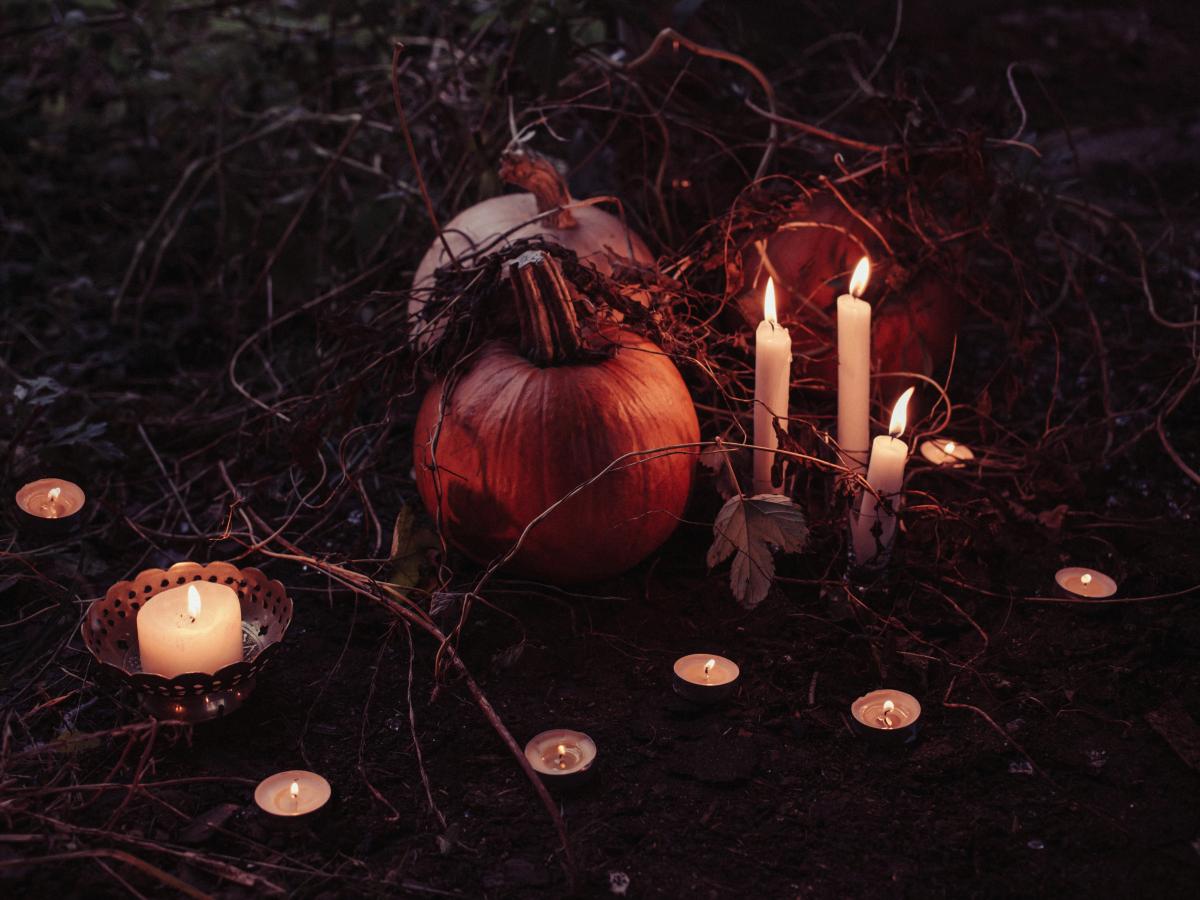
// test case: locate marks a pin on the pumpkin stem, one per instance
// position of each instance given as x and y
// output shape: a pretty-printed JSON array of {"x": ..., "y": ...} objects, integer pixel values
[
  {"x": 530, "y": 170},
  {"x": 549, "y": 328}
]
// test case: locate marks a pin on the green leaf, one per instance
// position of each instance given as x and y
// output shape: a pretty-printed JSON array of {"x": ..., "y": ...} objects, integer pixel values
[{"x": 753, "y": 527}]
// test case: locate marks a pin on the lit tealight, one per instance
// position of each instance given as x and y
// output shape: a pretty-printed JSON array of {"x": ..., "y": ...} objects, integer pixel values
[
  {"x": 705, "y": 677},
  {"x": 1076, "y": 581},
  {"x": 292, "y": 794},
  {"x": 561, "y": 757},
  {"x": 946, "y": 453},
  {"x": 50, "y": 505},
  {"x": 888, "y": 715}
]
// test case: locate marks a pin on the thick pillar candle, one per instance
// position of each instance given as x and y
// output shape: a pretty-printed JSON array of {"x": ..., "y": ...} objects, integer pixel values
[
  {"x": 875, "y": 527},
  {"x": 854, "y": 371},
  {"x": 190, "y": 628},
  {"x": 772, "y": 379}
]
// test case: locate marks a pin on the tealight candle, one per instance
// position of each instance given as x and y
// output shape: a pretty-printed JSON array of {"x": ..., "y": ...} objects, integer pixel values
[
  {"x": 1081, "y": 582},
  {"x": 854, "y": 371},
  {"x": 887, "y": 715},
  {"x": 772, "y": 380},
  {"x": 190, "y": 628},
  {"x": 292, "y": 794},
  {"x": 705, "y": 677},
  {"x": 50, "y": 505},
  {"x": 561, "y": 757},
  {"x": 946, "y": 453}
]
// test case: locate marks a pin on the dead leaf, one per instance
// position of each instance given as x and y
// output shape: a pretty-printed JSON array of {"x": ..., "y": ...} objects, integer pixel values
[
  {"x": 753, "y": 528},
  {"x": 1179, "y": 730},
  {"x": 202, "y": 827},
  {"x": 713, "y": 459},
  {"x": 1053, "y": 518},
  {"x": 408, "y": 549}
]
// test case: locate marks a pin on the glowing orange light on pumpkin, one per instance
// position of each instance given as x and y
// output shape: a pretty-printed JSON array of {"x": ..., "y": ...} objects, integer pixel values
[{"x": 862, "y": 274}]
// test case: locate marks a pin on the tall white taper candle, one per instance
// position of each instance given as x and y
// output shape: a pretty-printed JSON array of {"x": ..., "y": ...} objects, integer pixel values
[
  {"x": 854, "y": 371},
  {"x": 875, "y": 527},
  {"x": 772, "y": 378}
]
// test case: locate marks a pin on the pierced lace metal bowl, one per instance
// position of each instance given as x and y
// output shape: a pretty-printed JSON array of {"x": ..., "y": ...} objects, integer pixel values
[{"x": 110, "y": 634}]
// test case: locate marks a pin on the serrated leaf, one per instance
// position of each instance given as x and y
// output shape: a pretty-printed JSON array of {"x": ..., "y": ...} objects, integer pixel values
[
  {"x": 713, "y": 459},
  {"x": 752, "y": 528}
]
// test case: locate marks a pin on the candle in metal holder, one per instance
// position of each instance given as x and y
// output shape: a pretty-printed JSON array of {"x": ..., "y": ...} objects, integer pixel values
[{"x": 111, "y": 634}]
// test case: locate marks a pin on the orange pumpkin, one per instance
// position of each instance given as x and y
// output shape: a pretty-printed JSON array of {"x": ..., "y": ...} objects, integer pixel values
[
  {"x": 527, "y": 425},
  {"x": 915, "y": 310}
]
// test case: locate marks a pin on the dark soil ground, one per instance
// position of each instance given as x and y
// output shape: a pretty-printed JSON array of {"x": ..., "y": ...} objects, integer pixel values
[{"x": 1060, "y": 749}]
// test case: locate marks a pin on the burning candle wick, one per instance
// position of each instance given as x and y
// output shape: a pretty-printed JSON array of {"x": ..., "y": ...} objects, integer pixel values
[
  {"x": 950, "y": 447},
  {"x": 1086, "y": 579},
  {"x": 193, "y": 602},
  {"x": 294, "y": 790},
  {"x": 888, "y": 706},
  {"x": 862, "y": 275},
  {"x": 708, "y": 667},
  {"x": 562, "y": 754}
]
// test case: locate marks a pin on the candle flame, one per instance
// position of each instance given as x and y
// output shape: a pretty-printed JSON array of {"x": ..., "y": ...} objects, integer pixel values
[
  {"x": 862, "y": 274},
  {"x": 769, "y": 312},
  {"x": 294, "y": 790},
  {"x": 900, "y": 414},
  {"x": 53, "y": 494},
  {"x": 949, "y": 448},
  {"x": 562, "y": 754},
  {"x": 888, "y": 706},
  {"x": 1086, "y": 579},
  {"x": 193, "y": 601},
  {"x": 708, "y": 667}
]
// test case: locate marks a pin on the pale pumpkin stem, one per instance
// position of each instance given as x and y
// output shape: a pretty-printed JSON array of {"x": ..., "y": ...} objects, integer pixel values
[
  {"x": 549, "y": 327},
  {"x": 530, "y": 170}
]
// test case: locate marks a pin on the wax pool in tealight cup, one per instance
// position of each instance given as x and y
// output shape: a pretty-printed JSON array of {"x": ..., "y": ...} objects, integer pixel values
[
  {"x": 946, "y": 453},
  {"x": 292, "y": 795},
  {"x": 561, "y": 757},
  {"x": 705, "y": 677},
  {"x": 887, "y": 716},
  {"x": 50, "y": 506},
  {"x": 1077, "y": 581}
]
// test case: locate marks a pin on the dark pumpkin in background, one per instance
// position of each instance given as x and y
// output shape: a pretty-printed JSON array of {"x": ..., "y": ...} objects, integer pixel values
[
  {"x": 915, "y": 310},
  {"x": 528, "y": 423}
]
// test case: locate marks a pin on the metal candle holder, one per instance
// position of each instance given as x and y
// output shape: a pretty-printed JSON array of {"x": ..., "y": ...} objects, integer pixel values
[{"x": 110, "y": 634}]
